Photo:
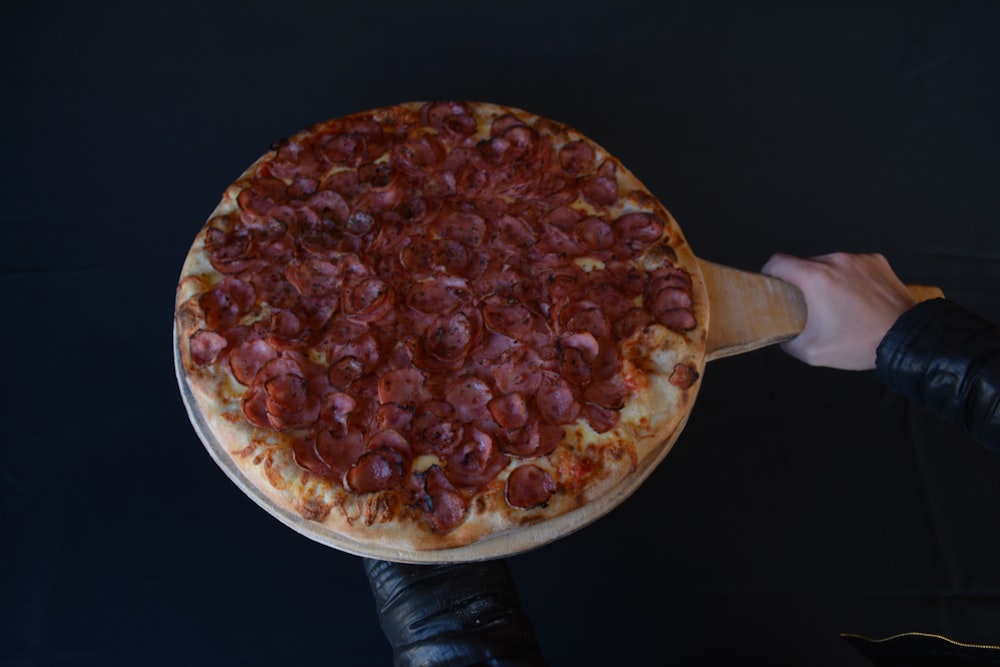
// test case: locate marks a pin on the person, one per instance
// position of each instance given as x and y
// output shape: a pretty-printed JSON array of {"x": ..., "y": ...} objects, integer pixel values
[{"x": 860, "y": 317}]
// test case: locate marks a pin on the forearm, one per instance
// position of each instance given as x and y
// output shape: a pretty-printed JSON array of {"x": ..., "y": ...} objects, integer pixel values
[{"x": 948, "y": 360}]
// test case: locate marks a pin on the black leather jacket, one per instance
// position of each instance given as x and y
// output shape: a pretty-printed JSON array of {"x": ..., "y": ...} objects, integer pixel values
[
  {"x": 947, "y": 359},
  {"x": 937, "y": 354},
  {"x": 451, "y": 615}
]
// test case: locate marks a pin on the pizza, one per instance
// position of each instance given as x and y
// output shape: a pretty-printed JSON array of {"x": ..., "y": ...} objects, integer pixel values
[{"x": 430, "y": 324}]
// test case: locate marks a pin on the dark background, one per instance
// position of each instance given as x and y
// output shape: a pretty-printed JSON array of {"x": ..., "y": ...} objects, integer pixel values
[{"x": 798, "y": 503}]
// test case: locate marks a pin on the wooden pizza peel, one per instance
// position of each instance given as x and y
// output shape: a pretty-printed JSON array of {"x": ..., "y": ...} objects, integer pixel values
[{"x": 747, "y": 311}]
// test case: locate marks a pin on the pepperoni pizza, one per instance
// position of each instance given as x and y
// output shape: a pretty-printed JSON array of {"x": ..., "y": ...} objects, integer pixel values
[{"x": 431, "y": 323}]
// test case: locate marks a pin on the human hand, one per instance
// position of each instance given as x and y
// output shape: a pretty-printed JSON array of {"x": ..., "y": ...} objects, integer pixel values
[{"x": 852, "y": 301}]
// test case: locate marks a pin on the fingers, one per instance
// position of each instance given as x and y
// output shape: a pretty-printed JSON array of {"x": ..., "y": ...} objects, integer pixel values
[
  {"x": 783, "y": 266},
  {"x": 852, "y": 300}
]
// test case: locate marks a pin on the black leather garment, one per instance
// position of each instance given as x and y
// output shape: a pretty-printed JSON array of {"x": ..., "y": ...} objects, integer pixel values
[
  {"x": 452, "y": 614},
  {"x": 947, "y": 359}
]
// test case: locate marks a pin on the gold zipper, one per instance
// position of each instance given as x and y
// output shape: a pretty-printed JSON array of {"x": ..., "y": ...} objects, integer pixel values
[{"x": 920, "y": 634}]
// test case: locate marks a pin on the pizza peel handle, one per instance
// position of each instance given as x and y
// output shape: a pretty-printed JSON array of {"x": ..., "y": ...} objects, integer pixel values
[{"x": 751, "y": 310}]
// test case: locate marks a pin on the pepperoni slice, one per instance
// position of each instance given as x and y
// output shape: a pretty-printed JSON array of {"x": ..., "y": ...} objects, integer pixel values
[
  {"x": 345, "y": 183},
  {"x": 677, "y": 319},
  {"x": 314, "y": 277},
  {"x": 464, "y": 227},
  {"x": 518, "y": 370},
  {"x": 563, "y": 217},
  {"x": 445, "y": 507},
  {"x": 302, "y": 187},
  {"x": 226, "y": 303},
  {"x": 314, "y": 313},
  {"x": 524, "y": 141},
  {"x": 608, "y": 361},
  {"x": 503, "y": 123},
  {"x": 393, "y": 417},
  {"x": 449, "y": 338},
  {"x": 288, "y": 402},
  {"x": 343, "y": 330},
  {"x": 508, "y": 318},
  {"x": 476, "y": 461},
  {"x": 400, "y": 356},
  {"x": 529, "y": 486},
  {"x": 602, "y": 188},
  {"x": 453, "y": 119},
  {"x": 284, "y": 329},
  {"x": 438, "y": 295},
  {"x": 329, "y": 207},
  {"x": 683, "y": 376},
  {"x": 576, "y": 157},
  {"x": 496, "y": 151},
  {"x": 403, "y": 386},
  {"x": 560, "y": 283},
  {"x": 295, "y": 158},
  {"x": 375, "y": 201},
  {"x": 453, "y": 258},
  {"x": 556, "y": 400},
  {"x": 255, "y": 409},
  {"x": 336, "y": 410},
  {"x": 304, "y": 454},
  {"x": 509, "y": 410},
  {"x": 375, "y": 174},
  {"x": 359, "y": 222},
  {"x": 610, "y": 394},
  {"x": 514, "y": 143},
  {"x": 368, "y": 300},
  {"x": 585, "y": 316},
  {"x": 205, "y": 346},
  {"x": 635, "y": 319},
  {"x": 595, "y": 233},
  {"x": 600, "y": 419},
  {"x": 515, "y": 233},
  {"x": 628, "y": 278},
  {"x": 249, "y": 357},
  {"x": 232, "y": 252},
  {"x": 340, "y": 452},
  {"x": 418, "y": 155},
  {"x": 535, "y": 439},
  {"x": 636, "y": 231},
  {"x": 346, "y": 149},
  {"x": 574, "y": 366},
  {"x": 262, "y": 195},
  {"x": 365, "y": 349},
  {"x": 555, "y": 240},
  {"x": 433, "y": 434},
  {"x": 424, "y": 255},
  {"x": 376, "y": 470},
  {"x": 670, "y": 298},
  {"x": 469, "y": 396}
]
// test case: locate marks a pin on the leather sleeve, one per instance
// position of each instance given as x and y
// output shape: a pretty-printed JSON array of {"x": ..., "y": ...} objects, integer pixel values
[
  {"x": 452, "y": 614},
  {"x": 947, "y": 359}
]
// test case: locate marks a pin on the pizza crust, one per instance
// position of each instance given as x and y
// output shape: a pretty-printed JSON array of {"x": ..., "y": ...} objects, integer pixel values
[{"x": 380, "y": 524}]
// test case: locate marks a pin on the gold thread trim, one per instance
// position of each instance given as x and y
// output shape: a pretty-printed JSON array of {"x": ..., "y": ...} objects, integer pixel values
[{"x": 918, "y": 634}]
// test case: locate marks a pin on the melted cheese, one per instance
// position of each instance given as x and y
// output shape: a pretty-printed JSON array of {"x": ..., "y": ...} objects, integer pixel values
[{"x": 589, "y": 264}]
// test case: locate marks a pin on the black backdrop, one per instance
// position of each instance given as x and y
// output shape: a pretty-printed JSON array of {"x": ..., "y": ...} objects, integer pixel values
[{"x": 798, "y": 503}]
